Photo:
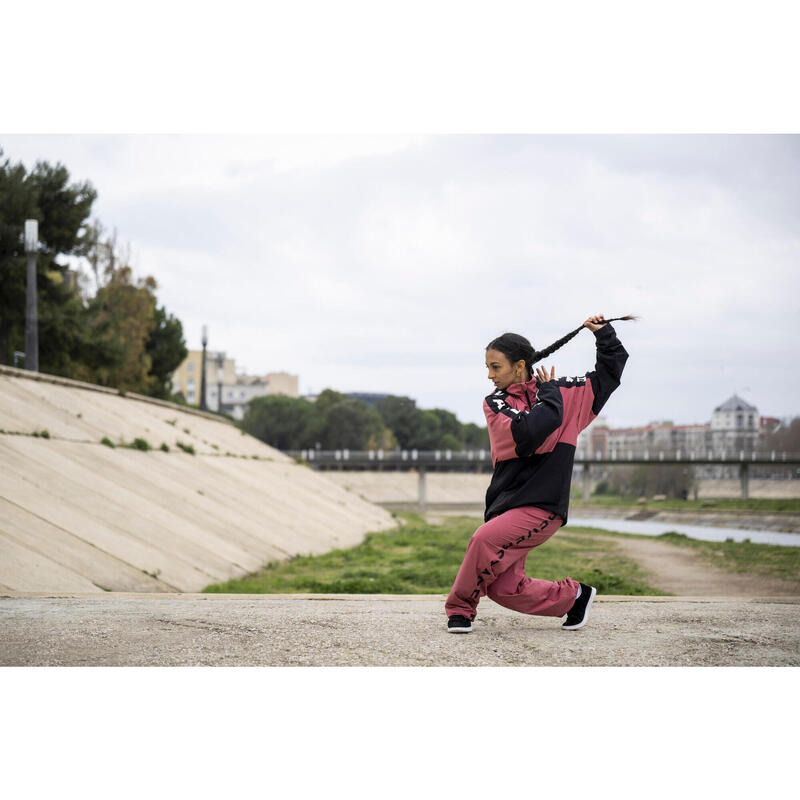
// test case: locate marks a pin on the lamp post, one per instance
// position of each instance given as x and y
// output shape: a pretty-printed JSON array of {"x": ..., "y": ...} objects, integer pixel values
[
  {"x": 31, "y": 312},
  {"x": 220, "y": 368},
  {"x": 203, "y": 371}
]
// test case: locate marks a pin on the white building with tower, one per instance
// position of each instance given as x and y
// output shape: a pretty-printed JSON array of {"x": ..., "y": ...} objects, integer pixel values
[{"x": 735, "y": 425}]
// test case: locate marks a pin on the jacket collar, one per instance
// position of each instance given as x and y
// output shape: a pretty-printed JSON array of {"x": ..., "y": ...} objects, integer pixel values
[{"x": 524, "y": 390}]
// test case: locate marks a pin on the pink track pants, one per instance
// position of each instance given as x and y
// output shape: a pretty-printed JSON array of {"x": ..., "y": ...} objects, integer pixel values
[{"x": 494, "y": 564}]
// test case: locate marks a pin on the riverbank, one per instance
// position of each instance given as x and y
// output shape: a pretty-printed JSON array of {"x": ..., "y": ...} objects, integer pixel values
[
  {"x": 758, "y": 520},
  {"x": 779, "y": 521}
]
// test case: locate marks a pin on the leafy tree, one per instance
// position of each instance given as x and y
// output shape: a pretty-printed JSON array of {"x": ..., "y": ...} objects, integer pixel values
[
  {"x": 282, "y": 422},
  {"x": 386, "y": 440},
  {"x": 427, "y": 431},
  {"x": 399, "y": 414},
  {"x": 450, "y": 442},
  {"x": 61, "y": 209},
  {"x": 167, "y": 349},
  {"x": 475, "y": 436},
  {"x": 448, "y": 423},
  {"x": 349, "y": 423},
  {"x": 327, "y": 398},
  {"x": 124, "y": 310}
]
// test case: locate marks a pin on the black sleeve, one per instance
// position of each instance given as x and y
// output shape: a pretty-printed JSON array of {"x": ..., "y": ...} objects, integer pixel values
[
  {"x": 531, "y": 428},
  {"x": 611, "y": 358}
]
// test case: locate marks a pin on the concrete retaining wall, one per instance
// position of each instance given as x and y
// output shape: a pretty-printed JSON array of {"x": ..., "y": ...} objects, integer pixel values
[{"x": 76, "y": 515}]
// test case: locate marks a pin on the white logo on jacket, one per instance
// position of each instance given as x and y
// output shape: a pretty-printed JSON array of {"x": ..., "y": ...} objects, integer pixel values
[{"x": 501, "y": 404}]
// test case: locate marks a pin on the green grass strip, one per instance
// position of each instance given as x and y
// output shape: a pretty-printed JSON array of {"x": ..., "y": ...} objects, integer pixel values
[{"x": 418, "y": 558}]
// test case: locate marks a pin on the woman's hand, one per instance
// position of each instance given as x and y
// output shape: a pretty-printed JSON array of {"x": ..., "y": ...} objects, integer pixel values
[
  {"x": 595, "y": 323},
  {"x": 541, "y": 374}
]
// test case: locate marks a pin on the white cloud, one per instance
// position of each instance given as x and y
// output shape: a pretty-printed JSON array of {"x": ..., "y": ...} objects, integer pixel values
[{"x": 387, "y": 263}]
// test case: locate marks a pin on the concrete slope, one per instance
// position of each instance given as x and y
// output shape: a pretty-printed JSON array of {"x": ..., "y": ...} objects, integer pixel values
[{"x": 76, "y": 515}]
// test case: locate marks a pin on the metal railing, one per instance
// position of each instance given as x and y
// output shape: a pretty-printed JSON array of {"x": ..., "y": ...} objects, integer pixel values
[{"x": 476, "y": 457}]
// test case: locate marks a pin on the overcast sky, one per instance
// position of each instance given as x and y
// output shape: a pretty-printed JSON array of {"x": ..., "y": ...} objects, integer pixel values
[{"x": 386, "y": 264}]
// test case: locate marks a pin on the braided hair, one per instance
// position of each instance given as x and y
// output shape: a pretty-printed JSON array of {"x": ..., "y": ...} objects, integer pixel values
[{"x": 516, "y": 348}]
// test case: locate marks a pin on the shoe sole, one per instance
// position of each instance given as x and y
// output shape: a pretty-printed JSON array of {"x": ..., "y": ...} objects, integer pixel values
[
  {"x": 585, "y": 614},
  {"x": 459, "y": 630}
]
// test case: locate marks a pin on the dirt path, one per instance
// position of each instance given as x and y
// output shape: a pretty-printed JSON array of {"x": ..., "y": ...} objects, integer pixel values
[{"x": 682, "y": 572}]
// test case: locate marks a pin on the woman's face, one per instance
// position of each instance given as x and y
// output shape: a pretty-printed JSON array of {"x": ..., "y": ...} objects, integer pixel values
[{"x": 502, "y": 373}]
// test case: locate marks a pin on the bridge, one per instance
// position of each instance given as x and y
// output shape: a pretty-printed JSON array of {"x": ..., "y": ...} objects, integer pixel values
[{"x": 480, "y": 460}]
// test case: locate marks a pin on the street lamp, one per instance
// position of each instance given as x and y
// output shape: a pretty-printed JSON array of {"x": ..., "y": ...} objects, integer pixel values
[
  {"x": 220, "y": 368},
  {"x": 31, "y": 312},
  {"x": 203, "y": 371}
]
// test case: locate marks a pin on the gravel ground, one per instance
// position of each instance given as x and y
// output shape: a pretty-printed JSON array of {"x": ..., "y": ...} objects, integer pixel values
[{"x": 118, "y": 629}]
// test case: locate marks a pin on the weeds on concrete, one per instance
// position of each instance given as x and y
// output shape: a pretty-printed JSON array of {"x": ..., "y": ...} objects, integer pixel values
[
  {"x": 187, "y": 448},
  {"x": 107, "y": 442},
  {"x": 164, "y": 447}
]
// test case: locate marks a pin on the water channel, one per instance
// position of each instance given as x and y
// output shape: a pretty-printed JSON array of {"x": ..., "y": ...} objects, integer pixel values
[{"x": 705, "y": 532}]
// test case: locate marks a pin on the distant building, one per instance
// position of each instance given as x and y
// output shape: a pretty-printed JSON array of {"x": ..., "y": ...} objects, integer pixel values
[
  {"x": 237, "y": 390},
  {"x": 735, "y": 425},
  {"x": 370, "y": 398}
]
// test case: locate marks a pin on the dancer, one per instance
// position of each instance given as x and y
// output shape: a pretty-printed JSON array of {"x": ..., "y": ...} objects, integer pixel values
[{"x": 534, "y": 424}]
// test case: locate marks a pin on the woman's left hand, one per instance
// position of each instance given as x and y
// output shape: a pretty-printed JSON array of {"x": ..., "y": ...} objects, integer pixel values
[
  {"x": 542, "y": 377},
  {"x": 595, "y": 323}
]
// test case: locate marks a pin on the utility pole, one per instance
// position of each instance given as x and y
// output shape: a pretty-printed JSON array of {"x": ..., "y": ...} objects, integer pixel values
[
  {"x": 220, "y": 369},
  {"x": 31, "y": 311},
  {"x": 203, "y": 371}
]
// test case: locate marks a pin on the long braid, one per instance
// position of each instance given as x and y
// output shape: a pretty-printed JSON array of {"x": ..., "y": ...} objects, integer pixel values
[{"x": 540, "y": 354}]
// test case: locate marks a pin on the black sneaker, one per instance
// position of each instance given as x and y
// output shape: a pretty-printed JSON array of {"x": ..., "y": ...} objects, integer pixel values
[
  {"x": 458, "y": 624},
  {"x": 579, "y": 613}
]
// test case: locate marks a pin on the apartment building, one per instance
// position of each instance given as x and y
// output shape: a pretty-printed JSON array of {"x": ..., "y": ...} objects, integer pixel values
[
  {"x": 734, "y": 425},
  {"x": 226, "y": 390}
]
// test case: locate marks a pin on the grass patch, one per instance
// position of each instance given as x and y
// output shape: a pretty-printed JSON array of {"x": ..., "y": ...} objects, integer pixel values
[
  {"x": 187, "y": 448},
  {"x": 107, "y": 442},
  {"x": 419, "y": 558},
  {"x": 140, "y": 444},
  {"x": 766, "y": 504},
  {"x": 164, "y": 447}
]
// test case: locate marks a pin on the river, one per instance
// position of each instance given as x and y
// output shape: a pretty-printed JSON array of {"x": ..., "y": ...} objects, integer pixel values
[{"x": 709, "y": 534}]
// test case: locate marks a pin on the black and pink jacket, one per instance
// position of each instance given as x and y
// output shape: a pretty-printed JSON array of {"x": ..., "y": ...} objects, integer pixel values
[{"x": 534, "y": 430}]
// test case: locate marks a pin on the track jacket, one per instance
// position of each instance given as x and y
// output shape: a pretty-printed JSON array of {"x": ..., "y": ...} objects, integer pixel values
[{"x": 534, "y": 429}]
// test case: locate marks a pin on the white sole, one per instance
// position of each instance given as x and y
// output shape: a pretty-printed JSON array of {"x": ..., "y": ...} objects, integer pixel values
[
  {"x": 459, "y": 630},
  {"x": 585, "y": 614}
]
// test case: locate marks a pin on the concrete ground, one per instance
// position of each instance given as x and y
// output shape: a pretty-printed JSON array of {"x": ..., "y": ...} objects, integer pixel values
[{"x": 119, "y": 629}]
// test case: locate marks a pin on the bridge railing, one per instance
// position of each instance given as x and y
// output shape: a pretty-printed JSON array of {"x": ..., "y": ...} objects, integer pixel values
[
  {"x": 392, "y": 456},
  {"x": 478, "y": 456}
]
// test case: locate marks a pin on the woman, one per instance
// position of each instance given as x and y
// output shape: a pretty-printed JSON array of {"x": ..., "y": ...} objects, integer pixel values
[{"x": 534, "y": 424}]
